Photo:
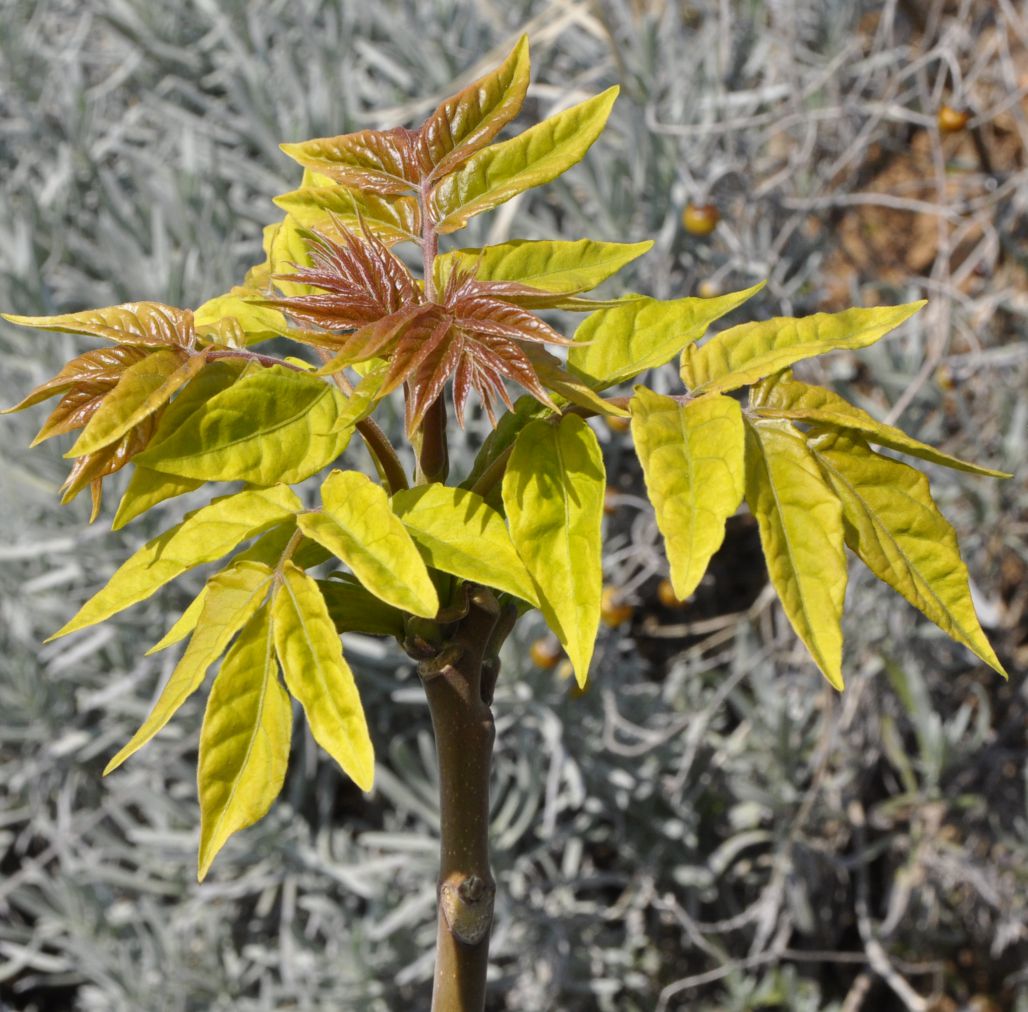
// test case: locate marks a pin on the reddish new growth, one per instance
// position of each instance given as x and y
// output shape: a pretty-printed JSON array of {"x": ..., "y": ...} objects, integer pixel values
[{"x": 372, "y": 307}]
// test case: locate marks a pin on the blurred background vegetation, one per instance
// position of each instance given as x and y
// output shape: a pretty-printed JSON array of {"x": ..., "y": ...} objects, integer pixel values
[{"x": 708, "y": 826}]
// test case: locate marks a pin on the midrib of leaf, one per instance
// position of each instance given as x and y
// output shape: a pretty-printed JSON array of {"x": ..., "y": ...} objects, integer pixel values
[
  {"x": 919, "y": 581},
  {"x": 303, "y": 625}
]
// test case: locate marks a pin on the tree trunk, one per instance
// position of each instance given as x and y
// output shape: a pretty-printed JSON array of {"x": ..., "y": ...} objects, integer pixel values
[{"x": 459, "y": 690}]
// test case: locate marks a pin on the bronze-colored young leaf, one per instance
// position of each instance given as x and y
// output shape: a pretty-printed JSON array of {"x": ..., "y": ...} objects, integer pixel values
[
  {"x": 497, "y": 173},
  {"x": 150, "y": 324},
  {"x": 380, "y": 161},
  {"x": 318, "y": 676},
  {"x": 232, "y": 599},
  {"x": 781, "y": 396},
  {"x": 467, "y": 121},
  {"x": 801, "y": 532},
  {"x": 692, "y": 457},
  {"x": 143, "y": 388},
  {"x": 894, "y": 526},
  {"x": 749, "y": 352},
  {"x": 244, "y": 742},
  {"x": 553, "y": 492},
  {"x": 98, "y": 369},
  {"x": 321, "y": 204}
]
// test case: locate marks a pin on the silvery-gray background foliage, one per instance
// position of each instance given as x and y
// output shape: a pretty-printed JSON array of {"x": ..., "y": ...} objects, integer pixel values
[{"x": 709, "y": 826}]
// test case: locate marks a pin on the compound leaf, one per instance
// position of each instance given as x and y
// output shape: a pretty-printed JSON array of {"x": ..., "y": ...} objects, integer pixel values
[
  {"x": 244, "y": 742},
  {"x": 143, "y": 323},
  {"x": 270, "y": 426},
  {"x": 232, "y": 599},
  {"x": 318, "y": 676},
  {"x": 783, "y": 397},
  {"x": 894, "y": 526},
  {"x": 801, "y": 532},
  {"x": 692, "y": 457},
  {"x": 541, "y": 153},
  {"x": 203, "y": 536},
  {"x": 357, "y": 525},
  {"x": 553, "y": 495},
  {"x": 617, "y": 344},
  {"x": 459, "y": 534},
  {"x": 751, "y": 351}
]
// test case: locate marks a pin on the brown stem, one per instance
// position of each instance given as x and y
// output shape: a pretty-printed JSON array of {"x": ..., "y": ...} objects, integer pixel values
[
  {"x": 434, "y": 454},
  {"x": 464, "y": 734},
  {"x": 389, "y": 465}
]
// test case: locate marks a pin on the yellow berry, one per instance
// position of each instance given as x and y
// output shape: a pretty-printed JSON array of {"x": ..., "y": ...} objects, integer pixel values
[
  {"x": 952, "y": 120},
  {"x": 700, "y": 219},
  {"x": 667, "y": 596},
  {"x": 545, "y": 653},
  {"x": 618, "y": 424},
  {"x": 708, "y": 289},
  {"x": 610, "y": 500},
  {"x": 612, "y": 610}
]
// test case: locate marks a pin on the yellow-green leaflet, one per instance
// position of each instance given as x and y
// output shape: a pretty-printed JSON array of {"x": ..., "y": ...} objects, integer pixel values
[
  {"x": 751, "y": 351},
  {"x": 256, "y": 323},
  {"x": 644, "y": 333},
  {"x": 502, "y": 171},
  {"x": 268, "y": 548},
  {"x": 470, "y": 119},
  {"x": 459, "y": 534},
  {"x": 894, "y": 526},
  {"x": 318, "y": 676},
  {"x": 357, "y": 525},
  {"x": 146, "y": 487},
  {"x": 693, "y": 460},
  {"x": 143, "y": 388},
  {"x": 232, "y": 599},
  {"x": 286, "y": 249},
  {"x": 567, "y": 385},
  {"x": 801, "y": 532},
  {"x": 145, "y": 323},
  {"x": 203, "y": 536},
  {"x": 783, "y": 397},
  {"x": 550, "y": 266},
  {"x": 244, "y": 742},
  {"x": 392, "y": 219},
  {"x": 553, "y": 496},
  {"x": 270, "y": 426}
]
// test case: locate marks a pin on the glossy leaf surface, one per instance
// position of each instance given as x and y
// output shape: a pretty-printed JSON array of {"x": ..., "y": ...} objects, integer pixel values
[
  {"x": 502, "y": 171},
  {"x": 548, "y": 265},
  {"x": 318, "y": 676},
  {"x": 615, "y": 345},
  {"x": 692, "y": 457},
  {"x": 142, "y": 323},
  {"x": 801, "y": 532},
  {"x": 244, "y": 742},
  {"x": 751, "y": 351},
  {"x": 232, "y": 599},
  {"x": 553, "y": 492},
  {"x": 894, "y": 526},
  {"x": 275, "y": 425},
  {"x": 459, "y": 534},
  {"x": 203, "y": 536},
  {"x": 357, "y": 526},
  {"x": 784, "y": 397},
  {"x": 143, "y": 389}
]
